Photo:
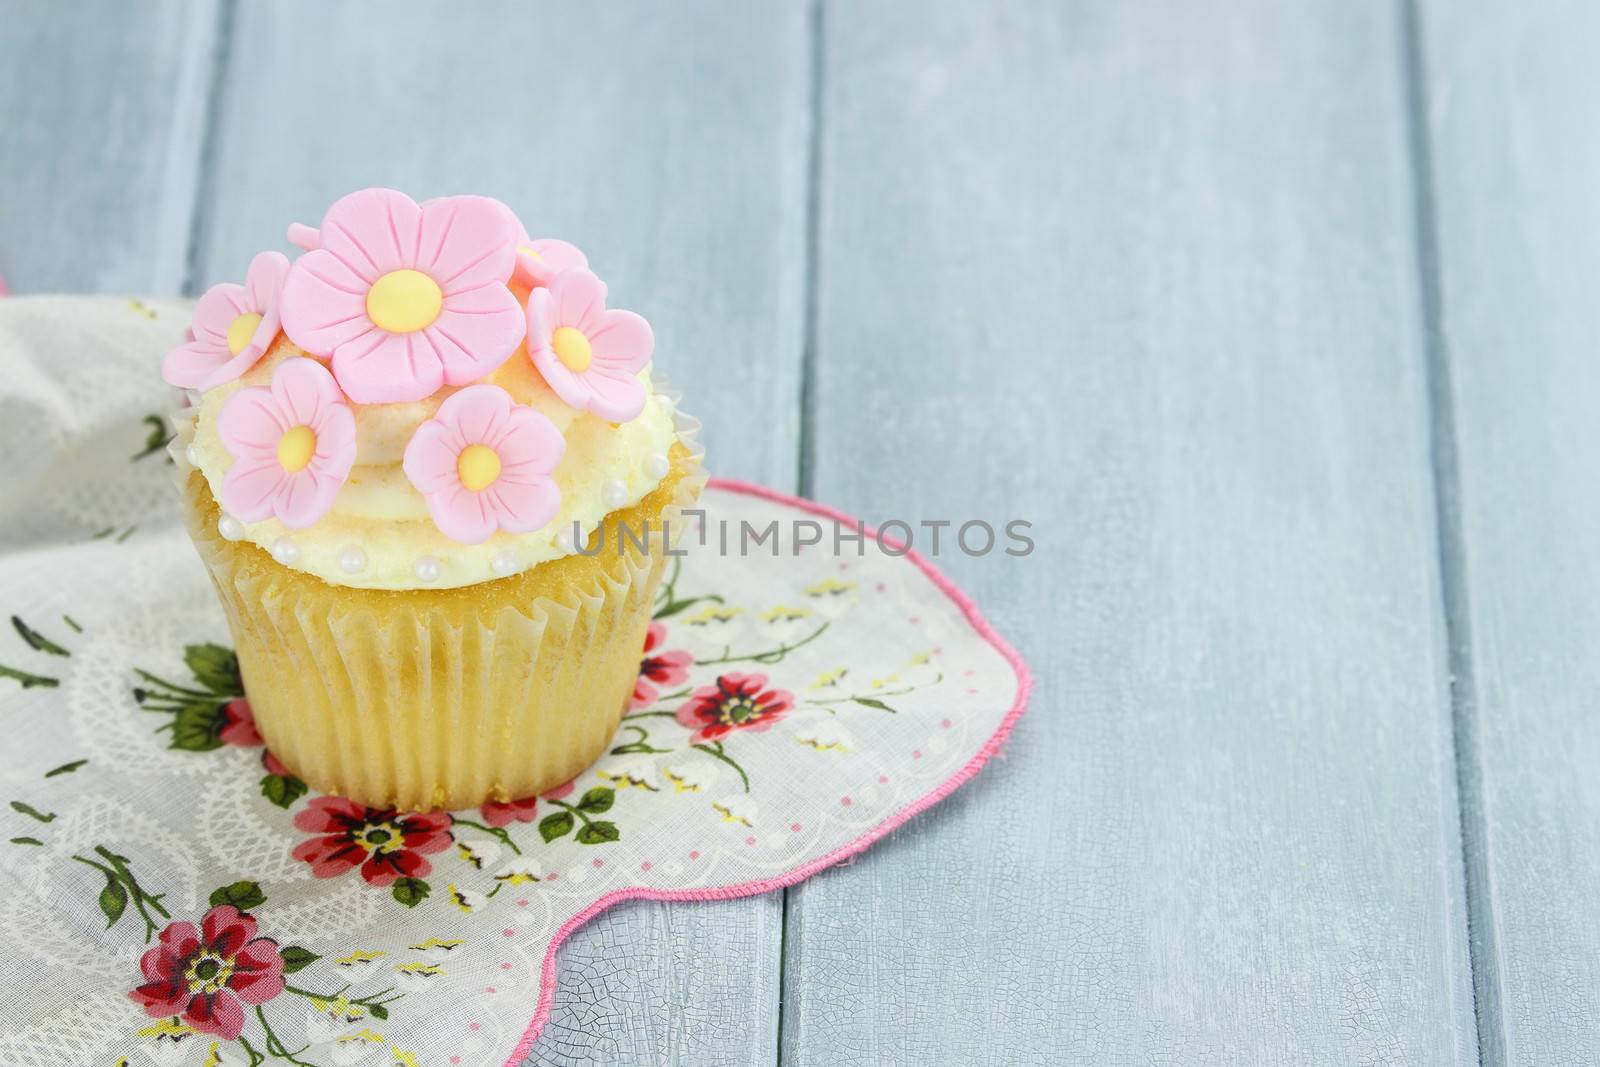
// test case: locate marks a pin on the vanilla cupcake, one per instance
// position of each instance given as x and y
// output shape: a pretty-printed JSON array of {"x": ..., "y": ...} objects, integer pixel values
[{"x": 406, "y": 464}]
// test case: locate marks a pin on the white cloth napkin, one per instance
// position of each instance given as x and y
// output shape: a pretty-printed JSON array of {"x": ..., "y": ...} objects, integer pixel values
[{"x": 139, "y": 810}]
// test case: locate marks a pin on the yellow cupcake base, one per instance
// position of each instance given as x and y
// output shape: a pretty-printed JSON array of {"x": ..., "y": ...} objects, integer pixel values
[{"x": 443, "y": 698}]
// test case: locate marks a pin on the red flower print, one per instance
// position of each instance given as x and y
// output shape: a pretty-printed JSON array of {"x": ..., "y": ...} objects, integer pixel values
[
  {"x": 498, "y": 815},
  {"x": 239, "y": 724},
  {"x": 736, "y": 702},
  {"x": 386, "y": 844},
  {"x": 207, "y": 976},
  {"x": 273, "y": 765},
  {"x": 658, "y": 668}
]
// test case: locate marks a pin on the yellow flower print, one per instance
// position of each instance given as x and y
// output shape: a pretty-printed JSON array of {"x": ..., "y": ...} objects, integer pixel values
[
  {"x": 830, "y": 679},
  {"x": 832, "y": 597},
  {"x": 358, "y": 966},
  {"x": 413, "y": 976},
  {"x": 739, "y": 810},
  {"x": 520, "y": 871},
  {"x": 467, "y": 900},
  {"x": 786, "y": 622}
]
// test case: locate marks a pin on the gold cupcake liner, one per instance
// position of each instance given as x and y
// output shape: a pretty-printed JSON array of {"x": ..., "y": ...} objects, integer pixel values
[{"x": 444, "y": 698}]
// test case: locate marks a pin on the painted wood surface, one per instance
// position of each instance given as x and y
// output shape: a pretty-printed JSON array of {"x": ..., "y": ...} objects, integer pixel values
[
  {"x": 103, "y": 107},
  {"x": 1259, "y": 282},
  {"x": 1144, "y": 275},
  {"x": 1511, "y": 92}
]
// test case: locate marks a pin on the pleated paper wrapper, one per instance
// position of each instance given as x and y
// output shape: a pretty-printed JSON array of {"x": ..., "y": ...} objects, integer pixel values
[{"x": 446, "y": 698}]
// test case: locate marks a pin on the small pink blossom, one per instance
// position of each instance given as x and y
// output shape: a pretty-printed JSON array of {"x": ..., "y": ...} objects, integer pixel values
[
  {"x": 406, "y": 298},
  {"x": 658, "y": 667},
  {"x": 293, "y": 446},
  {"x": 500, "y": 814},
  {"x": 539, "y": 261},
  {"x": 239, "y": 724},
  {"x": 232, "y": 326},
  {"x": 483, "y": 464},
  {"x": 588, "y": 354}
]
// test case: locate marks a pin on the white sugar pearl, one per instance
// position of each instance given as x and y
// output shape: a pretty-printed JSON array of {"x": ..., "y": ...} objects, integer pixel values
[
  {"x": 285, "y": 551},
  {"x": 427, "y": 569},
  {"x": 613, "y": 494},
  {"x": 657, "y": 466},
  {"x": 352, "y": 559},
  {"x": 192, "y": 454},
  {"x": 503, "y": 563},
  {"x": 230, "y": 528},
  {"x": 563, "y": 541}
]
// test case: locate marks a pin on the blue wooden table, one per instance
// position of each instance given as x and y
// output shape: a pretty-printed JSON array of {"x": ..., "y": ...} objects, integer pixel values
[{"x": 1279, "y": 322}]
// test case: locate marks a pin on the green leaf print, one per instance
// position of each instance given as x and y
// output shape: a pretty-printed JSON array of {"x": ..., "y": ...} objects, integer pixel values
[
  {"x": 32, "y": 812},
  {"x": 556, "y": 824},
  {"x": 242, "y": 895},
  {"x": 598, "y": 833},
  {"x": 296, "y": 958},
  {"x": 113, "y": 900},
  {"x": 197, "y": 727},
  {"x": 216, "y": 668},
  {"x": 411, "y": 891},
  {"x": 282, "y": 789},
  {"x": 36, "y": 640},
  {"x": 597, "y": 800}
]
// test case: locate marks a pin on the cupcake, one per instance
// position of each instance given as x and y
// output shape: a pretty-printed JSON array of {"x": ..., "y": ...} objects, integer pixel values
[{"x": 433, "y": 485}]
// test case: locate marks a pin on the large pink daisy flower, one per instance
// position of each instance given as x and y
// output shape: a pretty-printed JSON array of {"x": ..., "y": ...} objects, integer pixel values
[{"x": 406, "y": 298}]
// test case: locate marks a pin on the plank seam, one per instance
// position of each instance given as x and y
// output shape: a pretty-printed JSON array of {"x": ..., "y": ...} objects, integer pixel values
[
  {"x": 806, "y": 475},
  {"x": 200, "y": 217},
  {"x": 1444, "y": 454}
]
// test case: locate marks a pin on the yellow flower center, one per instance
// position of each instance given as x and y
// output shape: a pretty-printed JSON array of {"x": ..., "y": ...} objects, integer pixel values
[
  {"x": 240, "y": 330},
  {"x": 207, "y": 974},
  {"x": 478, "y": 466},
  {"x": 296, "y": 447},
  {"x": 572, "y": 348},
  {"x": 404, "y": 301}
]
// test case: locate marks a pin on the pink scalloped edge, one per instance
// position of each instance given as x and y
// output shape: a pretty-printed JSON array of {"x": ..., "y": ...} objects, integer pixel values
[{"x": 547, "y": 978}]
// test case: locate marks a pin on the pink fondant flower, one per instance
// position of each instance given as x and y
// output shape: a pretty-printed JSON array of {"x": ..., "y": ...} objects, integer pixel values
[
  {"x": 406, "y": 298},
  {"x": 483, "y": 463},
  {"x": 293, "y": 445},
  {"x": 232, "y": 326},
  {"x": 589, "y": 355},
  {"x": 207, "y": 976},
  {"x": 658, "y": 668},
  {"x": 539, "y": 261}
]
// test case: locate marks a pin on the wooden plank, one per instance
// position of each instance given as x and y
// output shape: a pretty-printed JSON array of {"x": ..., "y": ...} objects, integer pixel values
[
  {"x": 1143, "y": 274},
  {"x": 104, "y": 118},
  {"x": 1515, "y": 165},
  {"x": 671, "y": 145}
]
